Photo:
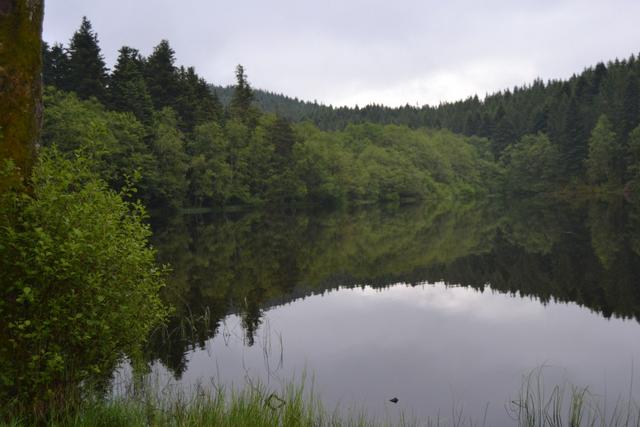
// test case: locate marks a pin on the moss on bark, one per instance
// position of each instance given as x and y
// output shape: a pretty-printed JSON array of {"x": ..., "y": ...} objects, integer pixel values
[{"x": 20, "y": 84}]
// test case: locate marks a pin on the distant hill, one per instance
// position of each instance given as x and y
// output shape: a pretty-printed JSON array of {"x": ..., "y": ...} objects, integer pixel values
[
  {"x": 565, "y": 110},
  {"x": 328, "y": 117},
  {"x": 293, "y": 109}
]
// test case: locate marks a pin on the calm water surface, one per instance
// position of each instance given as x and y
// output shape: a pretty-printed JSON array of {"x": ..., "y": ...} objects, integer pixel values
[{"x": 445, "y": 307}]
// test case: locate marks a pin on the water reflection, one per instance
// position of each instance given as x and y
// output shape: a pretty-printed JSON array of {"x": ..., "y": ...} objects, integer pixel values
[{"x": 585, "y": 253}]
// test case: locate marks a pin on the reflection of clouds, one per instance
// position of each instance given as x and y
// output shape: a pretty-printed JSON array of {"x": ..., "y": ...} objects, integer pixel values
[
  {"x": 430, "y": 344},
  {"x": 456, "y": 300}
]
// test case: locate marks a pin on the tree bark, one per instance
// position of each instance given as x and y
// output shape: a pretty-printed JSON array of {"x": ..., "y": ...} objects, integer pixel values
[{"x": 20, "y": 86}]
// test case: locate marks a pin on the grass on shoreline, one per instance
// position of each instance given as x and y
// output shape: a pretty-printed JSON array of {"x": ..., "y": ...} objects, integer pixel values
[
  {"x": 296, "y": 405},
  {"x": 257, "y": 406}
]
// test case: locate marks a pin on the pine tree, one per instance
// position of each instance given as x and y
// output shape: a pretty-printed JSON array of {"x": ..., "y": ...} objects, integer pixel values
[
  {"x": 472, "y": 123},
  {"x": 55, "y": 67},
  {"x": 574, "y": 140},
  {"x": 633, "y": 158},
  {"x": 281, "y": 136},
  {"x": 127, "y": 87},
  {"x": 630, "y": 105},
  {"x": 504, "y": 133},
  {"x": 196, "y": 103},
  {"x": 87, "y": 70},
  {"x": 162, "y": 76},
  {"x": 240, "y": 104},
  {"x": 541, "y": 120},
  {"x": 599, "y": 76}
]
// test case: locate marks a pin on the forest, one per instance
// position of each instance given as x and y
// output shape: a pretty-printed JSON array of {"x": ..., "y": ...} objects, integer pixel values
[
  {"x": 164, "y": 130},
  {"x": 590, "y": 120}
]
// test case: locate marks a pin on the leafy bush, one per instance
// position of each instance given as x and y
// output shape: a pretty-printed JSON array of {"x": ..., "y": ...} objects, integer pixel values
[{"x": 78, "y": 283}]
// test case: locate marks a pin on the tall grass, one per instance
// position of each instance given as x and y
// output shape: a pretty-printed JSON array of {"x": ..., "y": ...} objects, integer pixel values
[
  {"x": 569, "y": 406},
  {"x": 296, "y": 404},
  {"x": 293, "y": 405}
]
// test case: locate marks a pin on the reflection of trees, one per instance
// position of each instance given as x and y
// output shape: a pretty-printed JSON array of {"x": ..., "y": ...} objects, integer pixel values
[{"x": 247, "y": 263}]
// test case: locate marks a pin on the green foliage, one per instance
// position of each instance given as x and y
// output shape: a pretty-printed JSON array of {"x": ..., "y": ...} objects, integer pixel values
[
  {"x": 633, "y": 160},
  {"x": 195, "y": 103},
  {"x": 209, "y": 173},
  {"x": 114, "y": 142},
  {"x": 55, "y": 66},
  {"x": 87, "y": 70},
  {"x": 169, "y": 183},
  {"x": 127, "y": 87},
  {"x": 228, "y": 163},
  {"x": 533, "y": 165},
  {"x": 240, "y": 105},
  {"x": 603, "y": 163},
  {"x": 78, "y": 283},
  {"x": 161, "y": 76}
]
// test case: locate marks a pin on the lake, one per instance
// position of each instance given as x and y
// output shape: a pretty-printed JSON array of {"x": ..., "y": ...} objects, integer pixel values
[{"x": 446, "y": 307}]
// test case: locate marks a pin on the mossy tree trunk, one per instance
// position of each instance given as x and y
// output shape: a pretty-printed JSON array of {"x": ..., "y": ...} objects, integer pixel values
[{"x": 20, "y": 85}]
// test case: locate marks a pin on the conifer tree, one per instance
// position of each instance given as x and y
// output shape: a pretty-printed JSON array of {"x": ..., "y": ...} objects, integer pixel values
[
  {"x": 574, "y": 140},
  {"x": 242, "y": 96},
  {"x": 541, "y": 120},
  {"x": 503, "y": 133},
  {"x": 55, "y": 67},
  {"x": 128, "y": 89},
  {"x": 630, "y": 105},
  {"x": 599, "y": 76},
  {"x": 633, "y": 157},
  {"x": 196, "y": 103},
  {"x": 162, "y": 76},
  {"x": 87, "y": 70},
  {"x": 281, "y": 135}
]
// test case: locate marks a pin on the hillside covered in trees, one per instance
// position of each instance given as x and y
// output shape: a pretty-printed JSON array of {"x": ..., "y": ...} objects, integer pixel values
[
  {"x": 158, "y": 126},
  {"x": 182, "y": 143}
]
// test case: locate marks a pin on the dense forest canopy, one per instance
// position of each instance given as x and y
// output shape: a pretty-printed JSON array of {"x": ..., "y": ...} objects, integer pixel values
[
  {"x": 160, "y": 126},
  {"x": 567, "y": 112},
  {"x": 185, "y": 143}
]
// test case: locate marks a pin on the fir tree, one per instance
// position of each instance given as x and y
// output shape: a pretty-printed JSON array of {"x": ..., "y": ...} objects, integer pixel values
[
  {"x": 281, "y": 135},
  {"x": 503, "y": 133},
  {"x": 242, "y": 96},
  {"x": 540, "y": 120},
  {"x": 196, "y": 103},
  {"x": 599, "y": 76},
  {"x": 630, "y": 105},
  {"x": 55, "y": 66},
  {"x": 574, "y": 141},
  {"x": 128, "y": 89},
  {"x": 162, "y": 76},
  {"x": 87, "y": 70}
]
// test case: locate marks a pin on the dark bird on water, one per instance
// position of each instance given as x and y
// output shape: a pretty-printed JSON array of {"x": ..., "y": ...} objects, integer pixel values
[{"x": 394, "y": 400}]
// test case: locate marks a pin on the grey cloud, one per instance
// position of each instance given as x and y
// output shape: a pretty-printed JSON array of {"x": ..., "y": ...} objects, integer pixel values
[{"x": 366, "y": 50}]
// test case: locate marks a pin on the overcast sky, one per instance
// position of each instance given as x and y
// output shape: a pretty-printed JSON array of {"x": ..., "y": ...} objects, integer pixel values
[{"x": 363, "y": 51}]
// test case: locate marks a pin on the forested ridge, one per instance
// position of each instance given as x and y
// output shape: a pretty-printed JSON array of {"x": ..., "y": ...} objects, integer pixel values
[
  {"x": 565, "y": 110},
  {"x": 163, "y": 128},
  {"x": 159, "y": 127}
]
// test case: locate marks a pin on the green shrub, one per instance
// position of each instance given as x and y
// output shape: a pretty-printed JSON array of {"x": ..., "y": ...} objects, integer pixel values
[{"x": 78, "y": 284}]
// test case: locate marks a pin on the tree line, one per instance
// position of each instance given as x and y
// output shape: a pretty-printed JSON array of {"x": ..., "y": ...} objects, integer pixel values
[
  {"x": 589, "y": 122},
  {"x": 159, "y": 126}
]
